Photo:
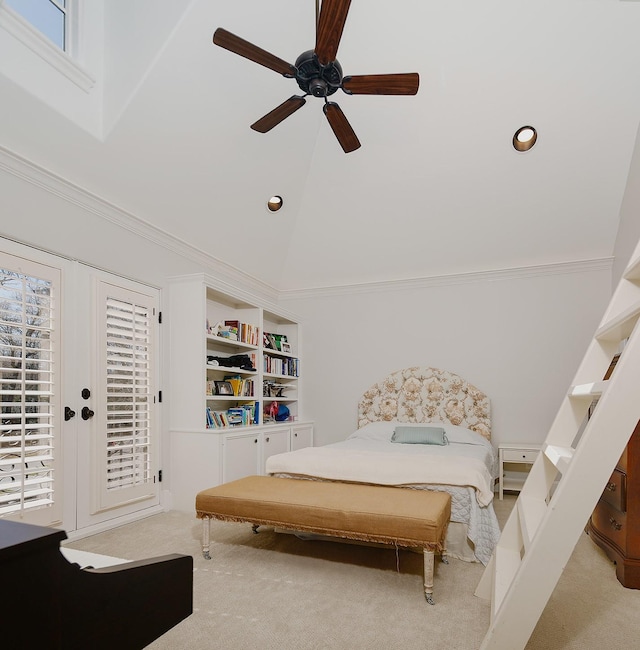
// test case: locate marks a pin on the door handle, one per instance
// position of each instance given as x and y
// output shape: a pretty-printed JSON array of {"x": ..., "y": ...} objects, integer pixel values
[
  {"x": 68, "y": 414},
  {"x": 86, "y": 413}
]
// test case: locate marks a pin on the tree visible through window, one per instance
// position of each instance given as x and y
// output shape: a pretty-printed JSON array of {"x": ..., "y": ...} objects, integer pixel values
[
  {"x": 48, "y": 16},
  {"x": 26, "y": 387}
]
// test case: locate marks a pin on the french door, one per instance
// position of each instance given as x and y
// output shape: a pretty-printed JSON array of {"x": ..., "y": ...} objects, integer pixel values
[
  {"x": 78, "y": 375},
  {"x": 115, "y": 398},
  {"x": 31, "y": 471}
]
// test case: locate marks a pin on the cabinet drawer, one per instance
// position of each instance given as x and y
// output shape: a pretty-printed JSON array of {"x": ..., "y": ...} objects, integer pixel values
[
  {"x": 519, "y": 455},
  {"x": 610, "y": 523},
  {"x": 615, "y": 492}
]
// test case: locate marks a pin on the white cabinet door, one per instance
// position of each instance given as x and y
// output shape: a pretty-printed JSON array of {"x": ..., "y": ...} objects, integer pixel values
[
  {"x": 274, "y": 442},
  {"x": 244, "y": 454},
  {"x": 240, "y": 455},
  {"x": 301, "y": 436}
]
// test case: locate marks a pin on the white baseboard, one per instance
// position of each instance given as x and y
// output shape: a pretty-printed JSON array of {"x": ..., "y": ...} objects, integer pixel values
[{"x": 114, "y": 523}]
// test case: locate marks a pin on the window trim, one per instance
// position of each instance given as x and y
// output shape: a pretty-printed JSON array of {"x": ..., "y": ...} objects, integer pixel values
[{"x": 62, "y": 61}]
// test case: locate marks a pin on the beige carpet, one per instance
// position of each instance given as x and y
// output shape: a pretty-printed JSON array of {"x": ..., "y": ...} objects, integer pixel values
[{"x": 274, "y": 591}]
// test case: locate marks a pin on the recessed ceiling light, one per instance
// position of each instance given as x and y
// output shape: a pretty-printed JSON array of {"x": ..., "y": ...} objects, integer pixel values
[
  {"x": 524, "y": 138},
  {"x": 274, "y": 203}
]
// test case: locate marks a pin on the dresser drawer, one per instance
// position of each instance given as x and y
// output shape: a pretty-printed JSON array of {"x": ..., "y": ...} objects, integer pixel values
[
  {"x": 519, "y": 455},
  {"x": 615, "y": 492},
  {"x": 610, "y": 523}
]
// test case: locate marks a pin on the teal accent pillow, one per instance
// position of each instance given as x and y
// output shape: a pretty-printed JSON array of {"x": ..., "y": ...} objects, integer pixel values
[{"x": 420, "y": 436}]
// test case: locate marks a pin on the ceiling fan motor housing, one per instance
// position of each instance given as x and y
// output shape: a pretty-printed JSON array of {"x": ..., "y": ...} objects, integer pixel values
[{"x": 316, "y": 79}]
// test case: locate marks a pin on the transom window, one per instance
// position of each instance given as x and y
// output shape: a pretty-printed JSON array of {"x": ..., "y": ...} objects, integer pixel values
[{"x": 48, "y": 16}]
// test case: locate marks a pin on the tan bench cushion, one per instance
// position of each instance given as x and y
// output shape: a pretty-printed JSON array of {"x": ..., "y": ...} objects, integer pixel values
[{"x": 402, "y": 516}]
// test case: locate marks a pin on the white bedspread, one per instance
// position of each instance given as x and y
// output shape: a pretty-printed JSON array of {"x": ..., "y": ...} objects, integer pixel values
[{"x": 337, "y": 463}]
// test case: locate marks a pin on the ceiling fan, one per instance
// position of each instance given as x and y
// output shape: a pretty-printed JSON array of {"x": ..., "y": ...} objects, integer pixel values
[{"x": 318, "y": 73}]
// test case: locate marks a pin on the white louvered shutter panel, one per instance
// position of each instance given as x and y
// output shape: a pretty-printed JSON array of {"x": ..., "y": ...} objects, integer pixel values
[
  {"x": 126, "y": 438},
  {"x": 30, "y": 483}
]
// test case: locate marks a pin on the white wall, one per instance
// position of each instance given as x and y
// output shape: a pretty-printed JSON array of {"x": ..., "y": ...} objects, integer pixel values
[{"x": 517, "y": 336}]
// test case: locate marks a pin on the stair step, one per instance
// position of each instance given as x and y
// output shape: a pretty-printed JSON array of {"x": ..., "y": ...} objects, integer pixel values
[
  {"x": 591, "y": 390},
  {"x": 531, "y": 511},
  {"x": 559, "y": 456},
  {"x": 619, "y": 327}
]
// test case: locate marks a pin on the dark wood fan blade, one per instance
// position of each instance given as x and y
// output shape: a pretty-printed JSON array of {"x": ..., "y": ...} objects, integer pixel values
[
  {"x": 346, "y": 135},
  {"x": 278, "y": 114},
  {"x": 333, "y": 15},
  {"x": 238, "y": 45},
  {"x": 405, "y": 83}
]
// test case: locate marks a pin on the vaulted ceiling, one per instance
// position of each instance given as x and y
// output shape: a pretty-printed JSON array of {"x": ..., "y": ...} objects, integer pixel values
[{"x": 436, "y": 187}]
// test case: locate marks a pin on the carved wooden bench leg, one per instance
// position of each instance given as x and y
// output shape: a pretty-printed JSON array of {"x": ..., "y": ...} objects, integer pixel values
[
  {"x": 429, "y": 561},
  {"x": 428, "y": 575},
  {"x": 206, "y": 528}
]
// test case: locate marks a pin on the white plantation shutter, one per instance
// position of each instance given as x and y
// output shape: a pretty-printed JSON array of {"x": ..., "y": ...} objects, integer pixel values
[
  {"x": 125, "y": 437},
  {"x": 29, "y": 376}
]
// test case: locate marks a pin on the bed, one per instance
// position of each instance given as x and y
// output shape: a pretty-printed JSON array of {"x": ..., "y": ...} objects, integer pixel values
[{"x": 422, "y": 406}]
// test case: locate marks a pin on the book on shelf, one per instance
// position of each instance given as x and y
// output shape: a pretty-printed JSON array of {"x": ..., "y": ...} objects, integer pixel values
[
  {"x": 280, "y": 338},
  {"x": 281, "y": 366},
  {"x": 234, "y": 330},
  {"x": 235, "y": 416},
  {"x": 245, "y": 332},
  {"x": 243, "y": 415},
  {"x": 242, "y": 387},
  {"x": 272, "y": 341}
]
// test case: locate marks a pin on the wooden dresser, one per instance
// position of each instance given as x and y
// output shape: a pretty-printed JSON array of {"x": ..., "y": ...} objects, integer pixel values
[{"x": 615, "y": 522}]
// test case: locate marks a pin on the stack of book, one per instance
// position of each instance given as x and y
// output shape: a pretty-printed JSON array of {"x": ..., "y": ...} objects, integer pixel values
[
  {"x": 244, "y": 415},
  {"x": 243, "y": 332}
]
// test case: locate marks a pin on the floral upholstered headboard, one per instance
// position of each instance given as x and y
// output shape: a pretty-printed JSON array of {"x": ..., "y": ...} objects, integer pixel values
[{"x": 423, "y": 394}]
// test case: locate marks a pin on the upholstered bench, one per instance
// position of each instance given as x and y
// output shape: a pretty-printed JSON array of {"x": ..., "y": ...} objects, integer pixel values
[{"x": 370, "y": 513}]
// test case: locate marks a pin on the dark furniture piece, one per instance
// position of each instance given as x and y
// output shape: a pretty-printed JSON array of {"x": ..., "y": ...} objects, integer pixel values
[
  {"x": 55, "y": 604},
  {"x": 615, "y": 523}
]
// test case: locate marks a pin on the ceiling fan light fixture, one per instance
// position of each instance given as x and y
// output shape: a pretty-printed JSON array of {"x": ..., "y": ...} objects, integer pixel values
[
  {"x": 524, "y": 138},
  {"x": 275, "y": 203},
  {"x": 318, "y": 73}
]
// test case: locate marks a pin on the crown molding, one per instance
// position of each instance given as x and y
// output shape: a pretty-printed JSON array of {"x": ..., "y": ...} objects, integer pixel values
[
  {"x": 515, "y": 273},
  {"x": 56, "y": 185},
  {"x": 238, "y": 279}
]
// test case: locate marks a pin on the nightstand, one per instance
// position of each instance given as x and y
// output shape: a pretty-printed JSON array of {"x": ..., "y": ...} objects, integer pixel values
[{"x": 515, "y": 453}]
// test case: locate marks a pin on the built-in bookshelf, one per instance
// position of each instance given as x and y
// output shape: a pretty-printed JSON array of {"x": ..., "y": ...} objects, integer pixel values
[
  {"x": 280, "y": 364},
  {"x": 229, "y": 384},
  {"x": 234, "y": 362}
]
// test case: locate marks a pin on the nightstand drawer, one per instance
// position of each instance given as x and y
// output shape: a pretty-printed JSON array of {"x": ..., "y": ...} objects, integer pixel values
[
  {"x": 611, "y": 523},
  {"x": 615, "y": 492},
  {"x": 519, "y": 455}
]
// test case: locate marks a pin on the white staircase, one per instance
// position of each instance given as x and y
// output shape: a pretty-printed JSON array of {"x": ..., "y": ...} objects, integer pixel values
[{"x": 568, "y": 477}]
